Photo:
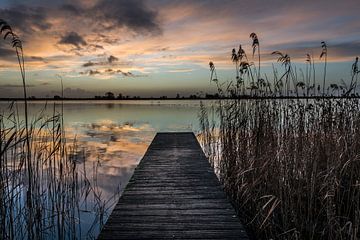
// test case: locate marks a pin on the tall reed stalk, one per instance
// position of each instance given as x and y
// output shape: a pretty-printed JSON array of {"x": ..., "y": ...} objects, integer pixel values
[
  {"x": 324, "y": 54},
  {"x": 290, "y": 166},
  {"x": 256, "y": 45},
  {"x": 17, "y": 45},
  {"x": 42, "y": 185}
]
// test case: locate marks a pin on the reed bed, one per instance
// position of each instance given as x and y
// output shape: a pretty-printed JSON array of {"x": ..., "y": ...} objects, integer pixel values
[
  {"x": 44, "y": 188},
  {"x": 61, "y": 187},
  {"x": 290, "y": 166}
]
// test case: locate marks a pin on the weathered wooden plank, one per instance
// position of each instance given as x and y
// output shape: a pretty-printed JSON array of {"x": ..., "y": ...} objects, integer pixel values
[
  {"x": 175, "y": 227},
  {"x": 223, "y": 219},
  {"x": 170, "y": 201},
  {"x": 166, "y": 212},
  {"x": 182, "y": 234},
  {"x": 173, "y": 194}
]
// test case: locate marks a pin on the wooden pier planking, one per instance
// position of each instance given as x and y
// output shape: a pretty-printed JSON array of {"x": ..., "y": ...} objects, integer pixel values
[{"x": 173, "y": 194}]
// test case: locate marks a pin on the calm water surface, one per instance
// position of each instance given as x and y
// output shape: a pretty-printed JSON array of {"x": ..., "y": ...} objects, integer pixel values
[{"x": 113, "y": 136}]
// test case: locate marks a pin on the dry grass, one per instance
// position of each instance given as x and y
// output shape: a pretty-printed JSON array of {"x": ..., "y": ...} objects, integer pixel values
[
  {"x": 42, "y": 187},
  {"x": 290, "y": 166},
  {"x": 60, "y": 186}
]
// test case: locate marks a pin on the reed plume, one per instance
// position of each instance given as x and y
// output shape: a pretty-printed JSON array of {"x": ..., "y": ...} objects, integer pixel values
[
  {"x": 289, "y": 165},
  {"x": 324, "y": 54}
]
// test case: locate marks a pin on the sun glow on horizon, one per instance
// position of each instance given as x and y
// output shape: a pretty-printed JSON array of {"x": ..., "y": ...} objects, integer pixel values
[{"x": 105, "y": 45}]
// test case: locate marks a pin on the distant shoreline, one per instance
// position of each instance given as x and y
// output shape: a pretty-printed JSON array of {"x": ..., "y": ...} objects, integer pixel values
[{"x": 167, "y": 99}]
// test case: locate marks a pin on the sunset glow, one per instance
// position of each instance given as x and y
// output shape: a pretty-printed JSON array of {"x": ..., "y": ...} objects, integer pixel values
[{"x": 156, "y": 48}]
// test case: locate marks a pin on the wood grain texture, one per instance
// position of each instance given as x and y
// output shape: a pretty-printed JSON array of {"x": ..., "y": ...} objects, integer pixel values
[{"x": 173, "y": 194}]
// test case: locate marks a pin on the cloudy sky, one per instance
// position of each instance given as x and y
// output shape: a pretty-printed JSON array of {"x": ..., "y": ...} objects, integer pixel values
[{"x": 162, "y": 47}]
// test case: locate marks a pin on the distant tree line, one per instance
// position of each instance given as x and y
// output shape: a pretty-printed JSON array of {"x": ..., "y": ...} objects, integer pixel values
[
  {"x": 120, "y": 96},
  {"x": 111, "y": 96}
]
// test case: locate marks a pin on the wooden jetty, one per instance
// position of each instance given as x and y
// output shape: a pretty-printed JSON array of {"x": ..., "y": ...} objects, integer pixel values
[{"x": 173, "y": 194}]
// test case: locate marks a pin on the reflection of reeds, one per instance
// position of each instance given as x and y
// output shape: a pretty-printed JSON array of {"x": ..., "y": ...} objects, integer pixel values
[
  {"x": 290, "y": 166},
  {"x": 61, "y": 185},
  {"x": 41, "y": 186},
  {"x": 52, "y": 193}
]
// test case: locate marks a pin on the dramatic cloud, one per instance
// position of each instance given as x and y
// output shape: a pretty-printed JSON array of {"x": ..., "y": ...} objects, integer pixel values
[
  {"x": 38, "y": 59},
  {"x": 125, "y": 74},
  {"x": 71, "y": 9},
  {"x": 26, "y": 19},
  {"x": 74, "y": 39},
  {"x": 171, "y": 42},
  {"x": 111, "y": 14},
  {"x": 112, "y": 59},
  {"x": 93, "y": 72},
  {"x": 134, "y": 15},
  {"x": 109, "y": 72},
  {"x": 89, "y": 64}
]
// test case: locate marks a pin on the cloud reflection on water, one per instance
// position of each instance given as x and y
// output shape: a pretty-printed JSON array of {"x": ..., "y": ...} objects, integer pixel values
[
  {"x": 111, "y": 138},
  {"x": 116, "y": 148},
  {"x": 108, "y": 153}
]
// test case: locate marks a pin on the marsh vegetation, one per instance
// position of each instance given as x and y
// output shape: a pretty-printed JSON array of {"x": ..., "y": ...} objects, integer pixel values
[
  {"x": 290, "y": 166},
  {"x": 44, "y": 188}
]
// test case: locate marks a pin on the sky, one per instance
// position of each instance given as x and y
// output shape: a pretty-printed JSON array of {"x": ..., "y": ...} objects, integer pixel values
[{"x": 153, "y": 48}]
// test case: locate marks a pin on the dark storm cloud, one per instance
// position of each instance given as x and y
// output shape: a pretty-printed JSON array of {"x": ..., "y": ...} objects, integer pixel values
[
  {"x": 112, "y": 14},
  {"x": 25, "y": 18},
  {"x": 71, "y": 9},
  {"x": 73, "y": 38},
  {"x": 134, "y": 15},
  {"x": 28, "y": 18}
]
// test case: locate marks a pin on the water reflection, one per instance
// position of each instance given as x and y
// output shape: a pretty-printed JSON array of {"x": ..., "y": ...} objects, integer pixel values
[
  {"x": 117, "y": 148},
  {"x": 111, "y": 137}
]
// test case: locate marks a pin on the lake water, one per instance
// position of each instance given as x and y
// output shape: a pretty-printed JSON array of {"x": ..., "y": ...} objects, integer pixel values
[{"x": 114, "y": 135}]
